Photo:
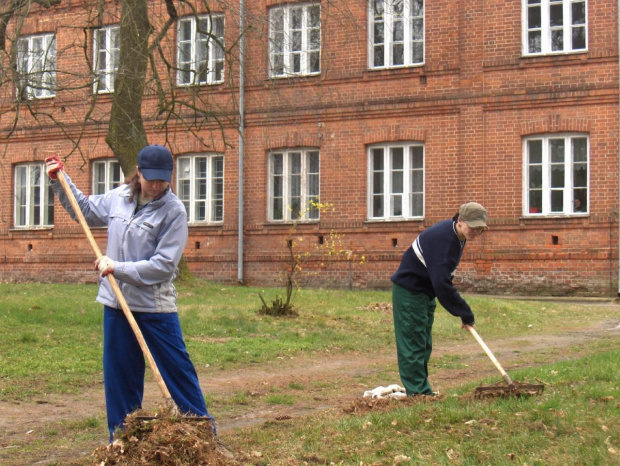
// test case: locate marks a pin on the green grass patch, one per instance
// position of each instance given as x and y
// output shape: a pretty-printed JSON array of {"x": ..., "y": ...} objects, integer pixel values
[
  {"x": 50, "y": 343},
  {"x": 575, "y": 421},
  {"x": 51, "y": 337}
]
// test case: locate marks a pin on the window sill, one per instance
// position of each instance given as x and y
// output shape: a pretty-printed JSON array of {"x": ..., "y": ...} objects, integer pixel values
[
  {"x": 187, "y": 85},
  {"x": 568, "y": 55},
  {"x": 31, "y": 229},
  {"x": 289, "y": 223},
  {"x": 205, "y": 224},
  {"x": 394, "y": 220},
  {"x": 293, "y": 78},
  {"x": 555, "y": 216}
]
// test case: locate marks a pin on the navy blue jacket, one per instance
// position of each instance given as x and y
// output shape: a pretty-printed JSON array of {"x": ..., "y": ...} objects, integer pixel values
[{"x": 441, "y": 250}]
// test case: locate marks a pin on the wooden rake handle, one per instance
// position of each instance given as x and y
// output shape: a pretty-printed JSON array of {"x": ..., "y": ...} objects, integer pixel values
[
  {"x": 489, "y": 354},
  {"x": 117, "y": 290}
]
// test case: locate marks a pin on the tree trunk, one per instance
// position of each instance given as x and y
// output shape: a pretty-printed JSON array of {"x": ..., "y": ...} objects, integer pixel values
[{"x": 126, "y": 135}]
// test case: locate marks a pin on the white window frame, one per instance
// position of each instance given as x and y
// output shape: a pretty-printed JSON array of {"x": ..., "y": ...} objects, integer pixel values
[
  {"x": 34, "y": 198},
  {"x": 36, "y": 63},
  {"x": 295, "y": 49},
  {"x": 107, "y": 175},
  {"x": 200, "y": 186},
  {"x": 106, "y": 51},
  {"x": 400, "y": 183},
  {"x": 200, "y": 50},
  {"x": 294, "y": 185},
  {"x": 389, "y": 22},
  {"x": 542, "y": 187},
  {"x": 546, "y": 10}
]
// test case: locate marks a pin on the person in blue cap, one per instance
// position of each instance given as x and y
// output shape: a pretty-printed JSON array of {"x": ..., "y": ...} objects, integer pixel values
[
  {"x": 147, "y": 233},
  {"x": 424, "y": 275}
]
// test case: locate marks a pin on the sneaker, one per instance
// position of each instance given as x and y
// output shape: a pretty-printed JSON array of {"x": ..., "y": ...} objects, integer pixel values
[{"x": 223, "y": 450}]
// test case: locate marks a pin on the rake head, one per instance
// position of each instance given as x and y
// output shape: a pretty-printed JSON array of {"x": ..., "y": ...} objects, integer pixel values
[{"x": 516, "y": 389}]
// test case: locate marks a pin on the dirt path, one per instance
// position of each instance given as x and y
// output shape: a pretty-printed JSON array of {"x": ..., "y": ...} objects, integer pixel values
[{"x": 327, "y": 380}]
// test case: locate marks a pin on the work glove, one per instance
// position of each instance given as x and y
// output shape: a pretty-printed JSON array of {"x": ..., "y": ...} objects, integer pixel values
[
  {"x": 105, "y": 265},
  {"x": 53, "y": 165}
]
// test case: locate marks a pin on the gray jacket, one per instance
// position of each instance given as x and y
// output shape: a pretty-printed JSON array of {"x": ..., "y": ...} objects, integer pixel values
[{"x": 146, "y": 247}]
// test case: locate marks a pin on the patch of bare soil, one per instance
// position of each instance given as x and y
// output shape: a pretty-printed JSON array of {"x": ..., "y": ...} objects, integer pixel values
[{"x": 328, "y": 381}]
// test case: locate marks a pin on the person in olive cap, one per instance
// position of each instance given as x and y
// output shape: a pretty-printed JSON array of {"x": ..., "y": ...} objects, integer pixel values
[
  {"x": 425, "y": 273},
  {"x": 147, "y": 233}
]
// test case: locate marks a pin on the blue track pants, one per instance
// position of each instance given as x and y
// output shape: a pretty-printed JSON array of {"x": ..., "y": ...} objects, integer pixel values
[{"x": 124, "y": 364}]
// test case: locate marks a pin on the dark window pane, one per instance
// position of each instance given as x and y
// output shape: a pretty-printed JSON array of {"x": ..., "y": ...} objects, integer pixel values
[
  {"x": 580, "y": 175},
  {"x": 377, "y": 159},
  {"x": 580, "y": 203},
  {"x": 377, "y": 206},
  {"x": 579, "y": 38},
  {"x": 533, "y": 17},
  {"x": 556, "y": 15},
  {"x": 556, "y": 147},
  {"x": 417, "y": 157},
  {"x": 417, "y": 52},
  {"x": 535, "y": 201},
  {"x": 535, "y": 151},
  {"x": 377, "y": 183},
  {"x": 398, "y": 54},
  {"x": 557, "y": 201},
  {"x": 557, "y": 40},
  {"x": 579, "y": 12},
  {"x": 398, "y": 32},
  {"x": 534, "y": 44},
  {"x": 378, "y": 8},
  {"x": 535, "y": 177},
  {"x": 417, "y": 7},
  {"x": 378, "y": 33},
  {"x": 417, "y": 204},
  {"x": 397, "y": 158},
  {"x": 397, "y": 182},
  {"x": 379, "y": 58},
  {"x": 417, "y": 181},
  {"x": 557, "y": 176},
  {"x": 417, "y": 29},
  {"x": 397, "y": 207},
  {"x": 580, "y": 149}
]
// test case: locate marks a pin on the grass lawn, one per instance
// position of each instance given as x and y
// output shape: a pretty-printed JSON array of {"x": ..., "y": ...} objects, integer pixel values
[{"x": 50, "y": 347}]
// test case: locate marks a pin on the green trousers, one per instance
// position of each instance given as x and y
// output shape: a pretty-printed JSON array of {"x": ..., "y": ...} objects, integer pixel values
[{"x": 414, "y": 314}]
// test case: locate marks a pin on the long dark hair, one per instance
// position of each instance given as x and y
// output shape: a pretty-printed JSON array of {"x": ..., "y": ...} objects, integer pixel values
[
  {"x": 134, "y": 186},
  {"x": 456, "y": 217}
]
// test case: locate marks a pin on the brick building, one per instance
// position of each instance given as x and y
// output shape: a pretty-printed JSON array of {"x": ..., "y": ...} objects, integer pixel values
[{"x": 394, "y": 112}]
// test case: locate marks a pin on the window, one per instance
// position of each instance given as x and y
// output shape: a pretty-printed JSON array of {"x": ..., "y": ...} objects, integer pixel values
[
  {"x": 106, "y": 52},
  {"x": 294, "y": 185},
  {"x": 107, "y": 175},
  {"x": 295, "y": 40},
  {"x": 36, "y": 64},
  {"x": 396, "y": 181},
  {"x": 200, "y": 51},
  {"x": 554, "y": 26},
  {"x": 34, "y": 199},
  {"x": 556, "y": 175},
  {"x": 200, "y": 184},
  {"x": 396, "y": 33}
]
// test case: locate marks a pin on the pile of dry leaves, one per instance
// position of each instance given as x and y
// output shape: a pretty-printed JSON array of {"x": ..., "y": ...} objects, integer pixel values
[{"x": 164, "y": 439}]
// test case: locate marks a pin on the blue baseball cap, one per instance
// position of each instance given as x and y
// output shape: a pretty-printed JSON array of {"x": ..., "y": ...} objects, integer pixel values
[{"x": 155, "y": 163}]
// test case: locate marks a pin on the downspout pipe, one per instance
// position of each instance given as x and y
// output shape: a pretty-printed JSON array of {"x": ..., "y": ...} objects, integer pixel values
[
  {"x": 618, "y": 210},
  {"x": 242, "y": 136}
]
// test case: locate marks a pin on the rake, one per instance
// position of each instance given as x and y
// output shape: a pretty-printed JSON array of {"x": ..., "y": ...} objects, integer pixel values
[{"x": 513, "y": 388}]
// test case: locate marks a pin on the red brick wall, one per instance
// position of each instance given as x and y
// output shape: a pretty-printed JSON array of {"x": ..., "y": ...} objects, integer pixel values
[{"x": 472, "y": 103}]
